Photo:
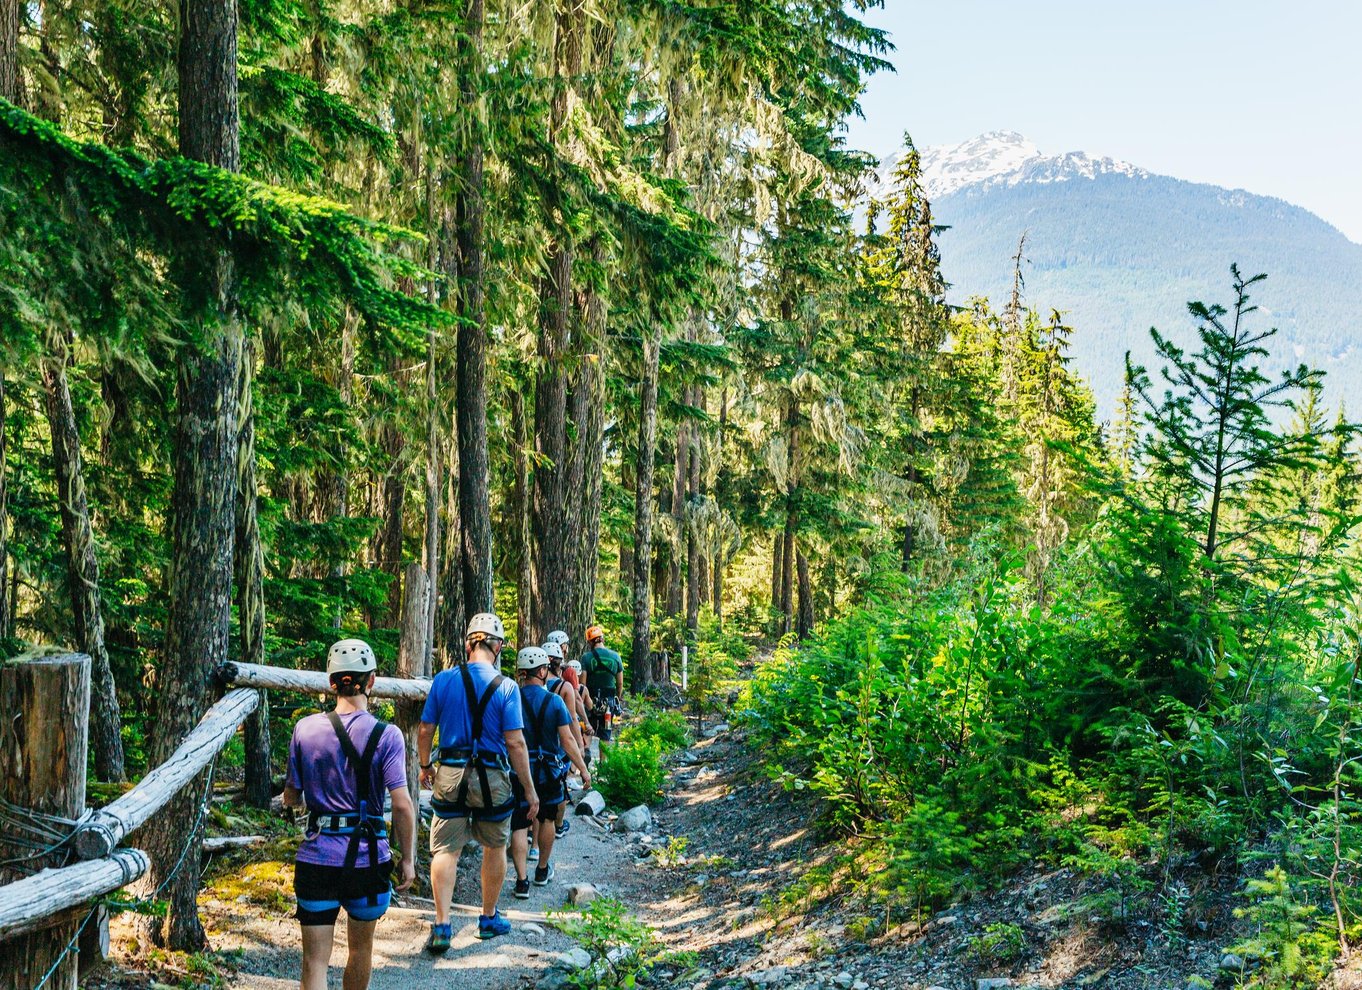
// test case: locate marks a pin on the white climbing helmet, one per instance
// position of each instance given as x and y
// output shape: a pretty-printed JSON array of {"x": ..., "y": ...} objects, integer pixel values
[
  {"x": 575, "y": 664},
  {"x": 553, "y": 650},
  {"x": 559, "y": 637},
  {"x": 484, "y": 625},
  {"x": 350, "y": 656},
  {"x": 531, "y": 658}
]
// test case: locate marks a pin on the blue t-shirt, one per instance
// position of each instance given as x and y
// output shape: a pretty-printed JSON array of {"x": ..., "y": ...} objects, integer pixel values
[
  {"x": 450, "y": 707},
  {"x": 555, "y": 717}
]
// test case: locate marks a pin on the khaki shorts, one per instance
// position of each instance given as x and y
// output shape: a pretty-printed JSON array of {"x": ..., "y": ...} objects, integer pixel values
[{"x": 450, "y": 835}]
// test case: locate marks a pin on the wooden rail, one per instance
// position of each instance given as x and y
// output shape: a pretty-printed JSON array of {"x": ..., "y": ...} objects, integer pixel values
[
  {"x": 254, "y": 675},
  {"x": 27, "y": 904},
  {"x": 31, "y": 906},
  {"x": 99, "y": 834}
]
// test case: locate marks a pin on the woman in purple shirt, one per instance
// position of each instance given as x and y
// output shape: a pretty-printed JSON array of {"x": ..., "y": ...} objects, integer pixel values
[{"x": 340, "y": 766}]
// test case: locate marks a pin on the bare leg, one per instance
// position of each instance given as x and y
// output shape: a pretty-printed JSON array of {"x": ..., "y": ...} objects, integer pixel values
[
  {"x": 360, "y": 963},
  {"x": 520, "y": 847},
  {"x": 493, "y": 876},
  {"x": 444, "y": 871},
  {"x": 547, "y": 835},
  {"x": 317, "y": 942}
]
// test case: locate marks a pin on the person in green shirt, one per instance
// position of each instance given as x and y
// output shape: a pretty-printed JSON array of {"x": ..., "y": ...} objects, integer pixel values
[{"x": 604, "y": 672}]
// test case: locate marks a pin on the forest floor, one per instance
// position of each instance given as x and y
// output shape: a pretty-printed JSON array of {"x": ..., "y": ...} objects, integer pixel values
[{"x": 719, "y": 874}]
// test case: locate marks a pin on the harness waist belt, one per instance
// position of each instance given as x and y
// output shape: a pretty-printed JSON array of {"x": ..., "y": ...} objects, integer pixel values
[
  {"x": 345, "y": 824},
  {"x": 460, "y": 756}
]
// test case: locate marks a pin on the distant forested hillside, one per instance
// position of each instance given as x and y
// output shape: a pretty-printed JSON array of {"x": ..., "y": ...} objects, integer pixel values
[{"x": 1120, "y": 253}]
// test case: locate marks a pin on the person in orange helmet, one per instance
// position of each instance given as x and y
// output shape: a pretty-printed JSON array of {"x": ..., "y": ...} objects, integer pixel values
[{"x": 604, "y": 670}]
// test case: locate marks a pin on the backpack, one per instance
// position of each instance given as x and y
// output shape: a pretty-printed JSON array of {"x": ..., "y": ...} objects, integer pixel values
[
  {"x": 600, "y": 675},
  {"x": 546, "y": 765},
  {"x": 474, "y": 759}
]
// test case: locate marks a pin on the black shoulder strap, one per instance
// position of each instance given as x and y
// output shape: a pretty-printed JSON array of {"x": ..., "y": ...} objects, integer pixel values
[
  {"x": 362, "y": 763},
  {"x": 480, "y": 709},
  {"x": 538, "y": 721}
]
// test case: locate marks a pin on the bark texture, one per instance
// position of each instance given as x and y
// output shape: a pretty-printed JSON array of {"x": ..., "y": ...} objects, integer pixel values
[
  {"x": 82, "y": 566},
  {"x": 9, "y": 90},
  {"x": 475, "y": 513},
  {"x": 413, "y": 660},
  {"x": 250, "y": 588},
  {"x": 205, "y": 453},
  {"x": 42, "y": 767},
  {"x": 642, "y": 672},
  {"x": 804, "y": 627}
]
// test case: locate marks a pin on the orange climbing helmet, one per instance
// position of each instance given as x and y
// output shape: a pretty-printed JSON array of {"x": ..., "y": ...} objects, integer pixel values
[{"x": 594, "y": 633}]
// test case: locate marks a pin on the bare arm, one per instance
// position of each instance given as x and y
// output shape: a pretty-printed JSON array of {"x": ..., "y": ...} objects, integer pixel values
[
  {"x": 619, "y": 683},
  {"x": 425, "y": 735},
  {"x": 293, "y": 798},
  {"x": 404, "y": 830},
  {"x": 520, "y": 762},
  {"x": 569, "y": 743}
]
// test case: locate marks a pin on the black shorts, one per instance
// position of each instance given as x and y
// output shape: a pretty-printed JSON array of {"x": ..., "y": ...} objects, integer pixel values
[
  {"x": 549, "y": 802},
  {"x": 323, "y": 890}
]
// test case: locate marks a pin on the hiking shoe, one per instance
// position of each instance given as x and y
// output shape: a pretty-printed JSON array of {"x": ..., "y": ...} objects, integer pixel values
[
  {"x": 563, "y": 829},
  {"x": 493, "y": 926},
  {"x": 439, "y": 939},
  {"x": 522, "y": 888},
  {"x": 533, "y": 854},
  {"x": 543, "y": 874}
]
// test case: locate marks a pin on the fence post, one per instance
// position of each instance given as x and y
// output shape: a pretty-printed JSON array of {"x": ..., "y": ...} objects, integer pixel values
[
  {"x": 413, "y": 660},
  {"x": 44, "y": 715}
]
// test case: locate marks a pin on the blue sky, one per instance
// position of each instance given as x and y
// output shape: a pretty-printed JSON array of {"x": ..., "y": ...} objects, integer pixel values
[{"x": 1265, "y": 96}]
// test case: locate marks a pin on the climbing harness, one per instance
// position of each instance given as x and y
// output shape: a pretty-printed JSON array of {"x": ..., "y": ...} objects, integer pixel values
[
  {"x": 475, "y": 758},
  {"x": 366, "y": 823}
]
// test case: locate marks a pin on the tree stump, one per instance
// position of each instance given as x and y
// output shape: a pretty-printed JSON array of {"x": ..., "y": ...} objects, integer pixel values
[
  {"x": 413, "y": 660},
  {"x": 46, "y": 708}
]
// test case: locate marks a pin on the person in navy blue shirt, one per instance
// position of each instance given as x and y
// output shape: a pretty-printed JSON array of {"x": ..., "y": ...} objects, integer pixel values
[
  {"x": 552, "y": 744},
  {"x": 477, "y": 713}
]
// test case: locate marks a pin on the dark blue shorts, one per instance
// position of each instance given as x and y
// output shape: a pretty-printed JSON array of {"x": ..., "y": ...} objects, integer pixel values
[{"x": 322, "y": 891}]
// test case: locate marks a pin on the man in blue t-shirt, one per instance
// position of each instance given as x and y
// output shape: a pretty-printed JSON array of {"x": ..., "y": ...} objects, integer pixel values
[
  {"x": 552, "y": 743},
  {"x": 477, "y": 713},
  {"x": 340, "y": 766}
]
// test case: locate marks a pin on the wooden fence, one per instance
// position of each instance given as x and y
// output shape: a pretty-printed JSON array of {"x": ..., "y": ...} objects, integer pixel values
[{"x": 46, "y": 917}]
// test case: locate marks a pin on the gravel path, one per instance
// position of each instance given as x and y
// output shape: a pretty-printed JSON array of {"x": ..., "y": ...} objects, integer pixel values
[{"x": 272, "y": 948}]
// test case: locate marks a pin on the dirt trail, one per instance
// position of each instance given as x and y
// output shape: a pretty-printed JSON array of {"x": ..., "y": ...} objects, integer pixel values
[{"x": 272, "y": 949}]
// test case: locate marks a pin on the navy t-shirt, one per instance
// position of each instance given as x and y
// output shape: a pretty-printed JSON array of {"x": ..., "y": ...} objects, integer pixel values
[{"x": 556, "y": 716}]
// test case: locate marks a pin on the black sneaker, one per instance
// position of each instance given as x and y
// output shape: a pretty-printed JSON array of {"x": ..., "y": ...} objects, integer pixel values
[
  {"x": 522, "y": 888},
  {"x": 543, "y": 874}
]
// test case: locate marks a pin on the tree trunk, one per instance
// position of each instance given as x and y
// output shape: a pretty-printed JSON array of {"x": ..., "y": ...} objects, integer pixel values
[
  {"x": 451, "y": 615},
  {"x": 676, "y": 579},
  {"x": 520, "y": 514},
  {"x": 475, "y": 514},
  {"x": 697, "y": 573},
  {"x": 6, "y": 616},
  {"x": 551, "y": 558},
  {"x": 413, "y": 660},
  {"x": 10, "y": 11},
  {"x": 394, "y": 498},
  {"x": 586, "y": 455},
  {"x": 205, "y": 442},
  {"x": 787, "y": 562},
  {"x": 433, "y": 443},
  {"x": 777, "y": 569},
  {"x": 623, "y": 594},
  {"x": 804, "y": 629},
  {"x": 42, "y": 767},
  {"x": 340, "y": 480},
  {"x": 250, "y": 588},
  {"x": 642, "y": 673},
  {"x": 82, "y": 566},
  {"x": 717, "y": 571}
]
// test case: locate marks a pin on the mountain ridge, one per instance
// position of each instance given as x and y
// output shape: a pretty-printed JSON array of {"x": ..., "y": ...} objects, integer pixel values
[{"x": 1119, "y": 249}]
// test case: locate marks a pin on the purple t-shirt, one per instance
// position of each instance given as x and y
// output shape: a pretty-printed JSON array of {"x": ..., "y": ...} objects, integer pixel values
[{"x": 318, "y": 768}]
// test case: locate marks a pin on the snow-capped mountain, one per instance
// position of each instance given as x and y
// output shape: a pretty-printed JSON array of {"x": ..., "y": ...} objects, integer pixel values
[
  {"x": 1119, "y": 249},
  {"x": 1000, "y": 158}
]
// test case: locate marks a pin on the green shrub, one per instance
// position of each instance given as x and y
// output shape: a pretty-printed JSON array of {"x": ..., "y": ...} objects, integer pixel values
[
  {"x": 631, "y": 773},
  {"x": 668, "y": 728},
  {"x": 1290, "y": 947},
  {"x": 1000, "y": 944},
  {"x": 623, "y": 949}
]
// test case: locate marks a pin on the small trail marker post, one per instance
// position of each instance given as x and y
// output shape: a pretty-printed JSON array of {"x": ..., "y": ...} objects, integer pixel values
[{"x": 44, "y": 718}]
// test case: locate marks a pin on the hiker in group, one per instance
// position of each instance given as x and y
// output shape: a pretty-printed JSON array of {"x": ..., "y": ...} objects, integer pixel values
[
  {"x": 574, "y": 666},
  {"x": 605, "y": 678},
  {"x": 341, "y": 767},
  {"x": 552, "y": 744},
  {"x": 479, "y": 716},
  {"x": 564, "y": 688}
]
